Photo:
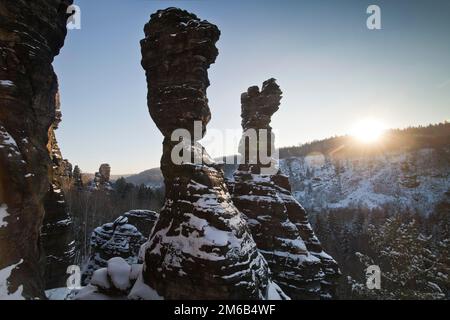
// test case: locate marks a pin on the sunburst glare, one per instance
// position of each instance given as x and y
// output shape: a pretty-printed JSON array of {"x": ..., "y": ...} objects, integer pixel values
[{"x": 368, "y": 130}]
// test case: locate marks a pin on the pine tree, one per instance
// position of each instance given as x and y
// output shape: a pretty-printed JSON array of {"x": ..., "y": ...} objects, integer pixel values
[{"x": 412, "y": 265}]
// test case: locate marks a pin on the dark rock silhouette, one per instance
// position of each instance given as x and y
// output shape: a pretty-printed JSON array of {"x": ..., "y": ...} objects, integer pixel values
[
  {"x": 278, "y": 222},
  {"x": 57, "y": 234},
  {"x": 201, "y": 248},
  {"x": 122, "y": 238},
  {"x": 31, "y": 35}
]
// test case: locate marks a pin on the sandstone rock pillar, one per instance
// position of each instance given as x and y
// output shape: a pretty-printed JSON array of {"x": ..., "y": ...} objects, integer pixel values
[
  {"x": 278, "y": 222},
  {"x": 200, "y": 248}
]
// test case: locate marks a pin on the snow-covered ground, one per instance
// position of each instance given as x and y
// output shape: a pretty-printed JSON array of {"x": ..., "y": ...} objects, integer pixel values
[
  {"x": 5, "y": 294},
  {"x": 416, "y": 180}
]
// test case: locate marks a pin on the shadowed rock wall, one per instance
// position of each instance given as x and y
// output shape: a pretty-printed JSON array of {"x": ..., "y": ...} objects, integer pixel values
[{"x": 31, "y": 35}]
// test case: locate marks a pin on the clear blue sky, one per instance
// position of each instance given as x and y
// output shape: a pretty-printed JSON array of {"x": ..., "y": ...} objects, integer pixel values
[{"x": 332, "y": 69}]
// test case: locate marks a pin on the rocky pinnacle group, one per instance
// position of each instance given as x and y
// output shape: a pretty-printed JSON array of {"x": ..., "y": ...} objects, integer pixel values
[{"x": 243, "y": 238}]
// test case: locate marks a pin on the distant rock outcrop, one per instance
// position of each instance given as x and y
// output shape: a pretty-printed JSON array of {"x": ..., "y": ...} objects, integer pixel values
[
  {"x": 77, "y": 178},
  {"x": 121, "y": 238},
  {"x": 57, "y": 235},
  {"x": 31, "y": 35},
  {"x": 201, "y": 247},
  {"x": 104, "y": 173},
  {"x": 278, "y": 222},
  {"x": 102, "y": 178}
]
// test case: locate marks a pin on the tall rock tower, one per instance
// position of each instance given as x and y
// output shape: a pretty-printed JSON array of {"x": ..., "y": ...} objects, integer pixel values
[
  {"x": 31, "y": 35},
  {"x": 200, "y": 248},
  {"x": 278, "y": 222}
]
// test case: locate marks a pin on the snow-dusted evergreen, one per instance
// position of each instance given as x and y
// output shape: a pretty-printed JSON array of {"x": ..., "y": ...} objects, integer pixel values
[{"x": 413, "y": 265}]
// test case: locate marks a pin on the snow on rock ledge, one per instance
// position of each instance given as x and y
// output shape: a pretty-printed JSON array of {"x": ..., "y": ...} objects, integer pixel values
[
  {"x": 118, "y": 281},
  {"x": 5, "y": 290},
  {"x": 121, "y": 238}
]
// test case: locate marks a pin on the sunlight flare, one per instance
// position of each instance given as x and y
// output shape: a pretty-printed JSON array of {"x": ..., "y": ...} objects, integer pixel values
[{"x": 368, "y": 130}]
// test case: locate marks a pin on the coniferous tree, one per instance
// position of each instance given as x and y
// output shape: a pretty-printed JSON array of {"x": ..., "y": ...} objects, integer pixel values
[{"x": 411, "y": 264}]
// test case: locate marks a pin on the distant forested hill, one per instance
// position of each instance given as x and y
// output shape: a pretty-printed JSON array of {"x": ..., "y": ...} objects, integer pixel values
[{"x": 412, "y": 138}]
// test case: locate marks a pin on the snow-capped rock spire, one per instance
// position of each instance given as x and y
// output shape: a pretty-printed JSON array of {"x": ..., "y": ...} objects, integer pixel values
[
  {"x": 278, "y": 222},
  {"x": 201, "y": 248}
]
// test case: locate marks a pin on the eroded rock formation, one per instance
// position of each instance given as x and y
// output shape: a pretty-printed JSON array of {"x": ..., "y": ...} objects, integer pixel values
[
  {"x": 143, "y": 220},
  {"x": 122, "y": 238},
  {"x": 101, "y": 178},
  {"x": 57, "y": 235},
  {"x": 278, "y": 222},
  {"x": 104, "y": 173},
  {"x": 77, "y": 178},
  {"x": 201, "y": 248},
  {"x": 31, "y": 34}
]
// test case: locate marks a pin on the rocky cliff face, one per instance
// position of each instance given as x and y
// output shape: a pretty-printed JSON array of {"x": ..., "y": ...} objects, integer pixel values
[
  {"x": 122, "y": 238},
  {"x": 57, "y": 237},
  {"x": 279, "y": 224},
  {"x": 201, "y": 248},
  {"x": 31, "y": 34}
]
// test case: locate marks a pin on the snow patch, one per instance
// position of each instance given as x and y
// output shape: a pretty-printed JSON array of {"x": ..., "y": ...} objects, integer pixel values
[
  {"x": 3, "y": 214},
  {"x": 100, "y": 278},
  {"x": 7, "y": 83},
  {"x": 7, "y": 139},
  {"x": 91, "y": 293},
  {"x": 141, "y": 291},
  {"x": 4, "y": 276},
  {"x": 63, "y": 293},
  {"x": 119, "y": 271},
  {"x": 274, "y": 292}
]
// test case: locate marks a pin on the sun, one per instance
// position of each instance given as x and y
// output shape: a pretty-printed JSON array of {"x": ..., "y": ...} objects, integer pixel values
[{"x": 368, "y": 130}]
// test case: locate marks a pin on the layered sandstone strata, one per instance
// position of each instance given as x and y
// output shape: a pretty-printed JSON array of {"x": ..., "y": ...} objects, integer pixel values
[
  {"x": 57, "y": 234},
  {"x": 278, "y": 222},
  {"x": 31, "y": 35},
  {"x": 201, "y": 248}
]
